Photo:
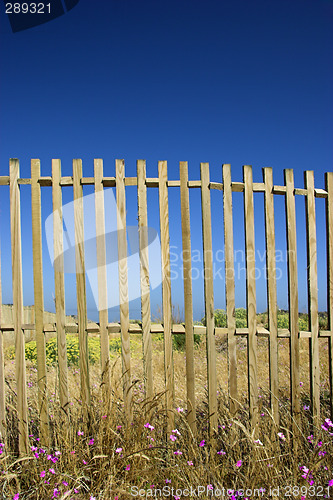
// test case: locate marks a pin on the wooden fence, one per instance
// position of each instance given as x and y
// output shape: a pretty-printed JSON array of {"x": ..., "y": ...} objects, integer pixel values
[{"x": 83, "y": 328}]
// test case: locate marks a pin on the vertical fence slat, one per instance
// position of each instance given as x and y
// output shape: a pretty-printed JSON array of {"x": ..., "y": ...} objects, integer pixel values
[
  {"x": 329, "y": 229},
  {"x": 313, "y": 296},
  {"x": 15, "y": 224},
  {"x": 144, "y": 279},
  {"x": 251, "y": 294},
  {"x": 209, "y": 296},
  {"x": 123, "y": 287},
  {"x": 39, "y": 301},
  {"x": 271, "y": 293},
  {"x": 230, "y": 288},
  {"x": 3, "y": 427},
  {"x": 188, "y": 301},
  {"x": 59, "y": 284},
  {"x": 292, "y": 293},
  {"x": 81, "y": 287},
  {"x": 102, "y": 282},
  {"x": 166, "y": 289}
]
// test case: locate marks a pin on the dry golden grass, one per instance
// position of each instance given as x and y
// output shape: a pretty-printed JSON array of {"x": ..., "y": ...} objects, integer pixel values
[{"x": 112, "y": 459}]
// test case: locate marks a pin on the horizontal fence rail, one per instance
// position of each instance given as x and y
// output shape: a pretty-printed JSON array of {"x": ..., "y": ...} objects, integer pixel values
[{"x": 39, "y": 322}]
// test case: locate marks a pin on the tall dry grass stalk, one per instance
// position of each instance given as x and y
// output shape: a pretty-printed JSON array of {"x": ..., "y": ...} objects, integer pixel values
[{"x": 113, "y": 460}]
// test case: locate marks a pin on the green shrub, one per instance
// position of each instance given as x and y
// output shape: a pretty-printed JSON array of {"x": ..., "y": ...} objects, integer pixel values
[
  {"x": 303, "y": 323},
  {"x": 282, "y": 319},
  {"x": 115, "y": 345},
  {"x": 179, "y": 341},
  {"x": 220, "y": 317},
  {"x": 72, "y": 343}
]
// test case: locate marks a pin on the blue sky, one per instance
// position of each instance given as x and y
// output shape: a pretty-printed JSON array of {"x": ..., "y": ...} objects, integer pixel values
[{"x": 231, "y": 81}]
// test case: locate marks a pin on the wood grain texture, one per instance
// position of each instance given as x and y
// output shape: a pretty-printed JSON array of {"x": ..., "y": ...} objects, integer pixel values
[
  {"x": 329, "y": 239},
  {"x": 292, "y": 293},
  {"x": 144, "y": 279},
  {"x": 81, "y": 288},
  {"x": 230, "y": 288},
  {"x": 20, "y": 371},
  {"x": 271, "y": 293},
  {"x": 102, "y": 283},
  {"x": 39, "y": 302},
  {"x": 123, "y": 288},
  {"x": 209, "y": 296},
  {"x": 3, "y": 426},
  {"x": 59, "y": 284},
  {"x": 251, "y": 294},
  {"x": 311, "y": 238},
  {"x": 188, "y": 300},
  {"x": 166, "y": 290}
]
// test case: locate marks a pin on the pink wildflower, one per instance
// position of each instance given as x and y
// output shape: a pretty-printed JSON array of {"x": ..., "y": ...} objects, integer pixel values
[{"x": 281, "y": 436}]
